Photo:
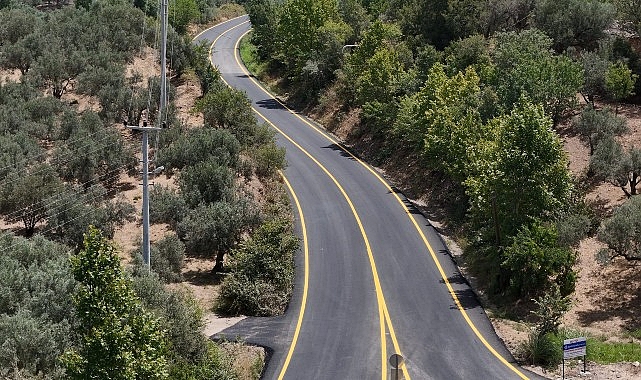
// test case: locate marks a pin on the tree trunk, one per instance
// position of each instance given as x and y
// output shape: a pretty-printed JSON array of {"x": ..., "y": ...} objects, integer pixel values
[
  {"x": 497, "y": 228},
  {"x": 219, "y": 267}
]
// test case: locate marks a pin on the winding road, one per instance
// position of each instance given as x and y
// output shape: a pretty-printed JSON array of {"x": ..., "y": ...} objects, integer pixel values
[{"x": 373, "y": 278}]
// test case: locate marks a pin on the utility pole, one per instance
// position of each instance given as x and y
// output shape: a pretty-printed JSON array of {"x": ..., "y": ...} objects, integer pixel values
[
  {"x": 163, "y": 61},
  {"x": 146, "y": 247}
]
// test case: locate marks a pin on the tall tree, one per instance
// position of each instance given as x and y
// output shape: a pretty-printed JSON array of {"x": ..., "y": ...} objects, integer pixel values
[
  {"x": 527, "y": 67},
  {"x": 442, "y": 120},
  {"x": 519, "y": 175},
  {"x": 298, "y": 29},
  {"x": 119, "y": 339}
]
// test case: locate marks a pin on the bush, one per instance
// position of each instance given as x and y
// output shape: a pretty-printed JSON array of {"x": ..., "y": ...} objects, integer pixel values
[
  {"x": 535, "y": 262},
  {"x": 541, "y": 349},
  {"x": 206, "y": 182},
  {"x": 262, "y": 272},
  {"x": 192, "y": 356},
  {"x": 166, "y": 206},
  {"x": 199, "y": 145},
  {"x": 31, "y": 343},
  {"x": 36, "y": 310},
  {"x": 168, "y": 257},
  {"x": 269, "y": 159}
]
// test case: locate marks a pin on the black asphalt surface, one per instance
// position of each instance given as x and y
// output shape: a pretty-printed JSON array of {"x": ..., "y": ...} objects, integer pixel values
[{"x": 340, "y": 335}]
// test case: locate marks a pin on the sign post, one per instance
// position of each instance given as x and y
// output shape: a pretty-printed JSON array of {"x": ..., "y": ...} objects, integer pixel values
[
  {"x": 396, "y": 360},
  {"x": 573, "y": 348}
]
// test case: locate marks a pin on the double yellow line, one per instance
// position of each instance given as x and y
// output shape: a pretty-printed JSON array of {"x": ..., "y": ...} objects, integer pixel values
[{"x": 384, "y": 317}]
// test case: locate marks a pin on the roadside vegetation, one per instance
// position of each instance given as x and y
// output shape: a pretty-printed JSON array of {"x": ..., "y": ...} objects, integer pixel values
[
  {"x": 71, "y": 304},
  {"x": 471, "y": 96}
]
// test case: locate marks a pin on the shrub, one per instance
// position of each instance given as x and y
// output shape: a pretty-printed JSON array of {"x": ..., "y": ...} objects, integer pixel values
[
  {"x": 199, "y": 145},
  {"x": 206, "y": 182},
  {"x": 168, "y": 256},
  {"x": 192, "y": 356},
  {"x": 269, "y": 158},
  {"x": 535, "y": 262},
  {"x": 166, "y": 206},
  {"x": 262, "y": 272},
  {"x": 542, "y": 349},
  {"x": 36, "y": 310}
]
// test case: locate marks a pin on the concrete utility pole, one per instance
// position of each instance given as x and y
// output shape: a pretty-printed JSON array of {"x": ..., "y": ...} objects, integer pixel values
[
  {"x": 163, "y": 61},
  {"x": 146, "y": 247}
]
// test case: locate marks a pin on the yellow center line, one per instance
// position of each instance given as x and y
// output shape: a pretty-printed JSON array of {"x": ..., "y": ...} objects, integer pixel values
[
  {"x": 408, "y": 213},
  {"x": 377, "y": 285},
  {"x": 301, "y": 314},
  {"x": 416, "y": 226}
]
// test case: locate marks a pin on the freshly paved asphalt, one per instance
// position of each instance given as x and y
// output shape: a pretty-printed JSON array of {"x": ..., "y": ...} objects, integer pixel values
[{"x": 340, "y": 334}]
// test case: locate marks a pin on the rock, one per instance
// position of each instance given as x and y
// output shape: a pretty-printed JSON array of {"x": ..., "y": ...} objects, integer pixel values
[{"x": 636, "y": 364}]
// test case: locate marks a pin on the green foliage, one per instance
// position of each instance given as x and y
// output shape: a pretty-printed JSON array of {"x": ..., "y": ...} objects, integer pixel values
[
  {"x": 263, "y": 15},
  {"x": 207, "y": 74},
  {"x": 168, "y": 258},
  {"x": 213, "y": 366},
  {"x": 92, "y": 153},
  {"x": 535, "y": 262},
  {"x": 19, "y": 33},
  {"x": 262, "y": 272},
  {"x": 206, "y": 182},
  {"x": 214, "y": 228},
  {"x": 224, "y": 107},
  {"x": 526, "y": 67},
  {"x": 543, "y": 346},
  {"x": 550, "y": 308},
  {"x": 16, "y": 151},
  {"x": 200, "y": 145},
  {"x": 518, "y": 175},
  {"x": 375, "y": 69},
  {"x": 619, "y": 81},
  {"x": 577, "y": 23},
  {"x": 298, "y": 31},
  {"x": 25, "y": 195},
  {"x": 119, "y": 339},
  {"x": 613, "y": 164},
  {"x": 541, "y": 349},
  {"x": 355, "y": 15},
  {"x": 594, "y": 69},
  {"x": 269, "y": 158},
  {"x": 36, "y": 310},
  {"x": 192, "y": 356},
  {"x": 622, "y": 232},
  {"x": 572, "y": 227},
  {"x": 74, "y": 209},
  {"x": 182, "y": 13},
  {"x": 442, "y": 120},
  {"x": 166, "y": 206},
  {"x": 471, "y": 51},
  {"x": 630, "y": 13},
  {"x": 595, "y": 126}
]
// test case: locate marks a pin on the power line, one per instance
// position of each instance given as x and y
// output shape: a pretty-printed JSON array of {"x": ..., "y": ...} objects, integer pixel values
[{"x": 47, "y": 202}]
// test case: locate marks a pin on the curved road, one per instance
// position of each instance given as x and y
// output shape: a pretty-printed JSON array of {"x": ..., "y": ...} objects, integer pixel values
[{"x": 374, "y": 278}]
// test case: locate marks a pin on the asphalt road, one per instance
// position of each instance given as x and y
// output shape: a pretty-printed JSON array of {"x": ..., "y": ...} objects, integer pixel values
[{"x": 375, "y": 278}]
